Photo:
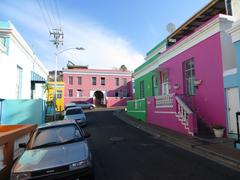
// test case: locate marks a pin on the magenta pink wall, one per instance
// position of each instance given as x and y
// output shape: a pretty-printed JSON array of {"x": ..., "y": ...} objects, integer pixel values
[
  {"x": 113, "y": 101},
  {"x": 168, "y": 120},
  {"x": 87, "y": 86},
  {"x": 209, "y": 98}
]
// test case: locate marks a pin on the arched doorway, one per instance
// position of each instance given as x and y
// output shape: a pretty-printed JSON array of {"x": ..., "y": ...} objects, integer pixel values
[{"x": 99, "y": 98}]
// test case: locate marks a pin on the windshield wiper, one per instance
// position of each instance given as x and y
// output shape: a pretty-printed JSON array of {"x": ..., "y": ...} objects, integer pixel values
[
  {"x": 46, "y": 145},
  {"x": 72, "y": 140}
]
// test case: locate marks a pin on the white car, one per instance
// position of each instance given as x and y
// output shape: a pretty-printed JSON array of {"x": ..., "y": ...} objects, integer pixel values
[{"x": 76, "y": 113}]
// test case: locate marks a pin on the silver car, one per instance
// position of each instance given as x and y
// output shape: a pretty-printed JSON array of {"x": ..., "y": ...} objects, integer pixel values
[
  {"x": 76, "y": 113},
  {"x": 57, "y": 150}
]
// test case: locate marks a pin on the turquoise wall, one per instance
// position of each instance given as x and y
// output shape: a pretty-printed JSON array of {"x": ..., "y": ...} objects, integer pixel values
[
  {"x": 234, "y": 79},
  {"x": 23, "y": 112}
]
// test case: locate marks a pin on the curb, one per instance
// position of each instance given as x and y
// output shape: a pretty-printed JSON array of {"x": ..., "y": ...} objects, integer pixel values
[{"x": 196, "y": 149}]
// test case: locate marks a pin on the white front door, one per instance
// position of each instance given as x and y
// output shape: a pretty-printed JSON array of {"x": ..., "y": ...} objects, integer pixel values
[{"x": 232, "y": 108}]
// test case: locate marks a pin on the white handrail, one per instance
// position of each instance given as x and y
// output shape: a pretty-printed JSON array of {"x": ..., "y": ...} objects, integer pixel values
[
  {"x": 135, "y": 100},
  {"x": 184, "y": 106}
]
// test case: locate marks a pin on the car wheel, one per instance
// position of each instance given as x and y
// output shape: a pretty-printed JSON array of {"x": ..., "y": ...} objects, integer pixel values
[{"x": 91, "y": 107}]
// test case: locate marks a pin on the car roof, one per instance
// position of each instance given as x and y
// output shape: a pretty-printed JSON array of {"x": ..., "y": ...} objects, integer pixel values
[
  {"x": 57, "y": 123},
  {"x": 70, "y": 104},
  {"x": 73, "y": 108}
]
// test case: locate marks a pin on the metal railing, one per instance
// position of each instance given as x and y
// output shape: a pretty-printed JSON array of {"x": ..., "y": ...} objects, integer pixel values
[{"x": 165, "y": 101}]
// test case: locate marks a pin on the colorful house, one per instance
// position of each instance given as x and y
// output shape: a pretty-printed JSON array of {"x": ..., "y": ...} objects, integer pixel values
[
  {"x": 59, "y": 94},
  {"x": 232, "y": 82},
  {"x": 102, "y": 87},
  {"x": 180, "y": 86},
  {"x": 22, "y": 75}
]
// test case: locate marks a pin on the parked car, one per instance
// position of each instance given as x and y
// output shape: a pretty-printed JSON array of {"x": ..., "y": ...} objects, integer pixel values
[
  {"x": 85, "y": 105},
  {"x": 75, "y": 113},
  {"x": 56, "y": 150},
  {"x": 70, "y": 105}
]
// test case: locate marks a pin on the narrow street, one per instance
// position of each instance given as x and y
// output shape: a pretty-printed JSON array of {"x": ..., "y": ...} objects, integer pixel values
[{"x": 122, "y": 152}]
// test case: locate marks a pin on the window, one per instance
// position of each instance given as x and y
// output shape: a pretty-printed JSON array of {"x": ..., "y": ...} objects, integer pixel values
[
  {"x": 124, "y": 80},
  {"x": 19, "y": 82},
  {"x": 165, "y": 86},
  {"x": 74, "y": 111},
  {"x": 117, "y": 81},
  {"x": 2, "y": 41},
  {"x": 103, "y": 81},
  {"x": 124, "y": 93},
  {"x": 189, "y": 77},
  {"x": 142, "y": 89},
  {"x": 70, "y": 80},
  {"x": 155, "y": 86},
  {"x": 2, "y": 165},
  {"x": 116, "y": 94},
  {"x": 59, "y": 94},
  {"x": 228, "y": 5},
  {"x": 94, "y": 82},
  {"x": 79, "y": 93},
  {"x": 70, "y": 93},
  {"x": 56, "y": 135},
  {"x": 79, "y": 80}
]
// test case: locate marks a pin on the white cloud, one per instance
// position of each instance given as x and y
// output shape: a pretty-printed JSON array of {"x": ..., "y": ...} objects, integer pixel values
[{"x": 104, "y": 48}]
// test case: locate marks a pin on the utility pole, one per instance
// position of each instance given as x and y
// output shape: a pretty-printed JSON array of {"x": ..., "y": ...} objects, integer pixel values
[{"x": 57, "y": 40}]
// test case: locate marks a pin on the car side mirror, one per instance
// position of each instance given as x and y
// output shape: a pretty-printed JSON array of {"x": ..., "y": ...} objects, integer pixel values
[
  {"x": 22, "y": 145},
  {"x": 87, "y": 135}
]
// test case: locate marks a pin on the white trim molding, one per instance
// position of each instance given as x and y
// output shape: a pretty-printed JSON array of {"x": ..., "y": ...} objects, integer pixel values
[
  {"x": 137, "y": 111},
  {"x": 164, "y": 112},
  {"x": 81, "y": 72},
  {"x": 234, "y": 31},
  {"x": 230, "y": 72},
  {"x": 216, "y": 25}
]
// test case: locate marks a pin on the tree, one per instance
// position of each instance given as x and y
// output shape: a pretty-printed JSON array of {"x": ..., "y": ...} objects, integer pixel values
[{"x": 123, "y": 68}]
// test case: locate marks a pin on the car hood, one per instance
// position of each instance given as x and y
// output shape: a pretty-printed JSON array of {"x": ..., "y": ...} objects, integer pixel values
[
  {"x": 53, "y": 156},
  {"x": 75, "y": 116}
]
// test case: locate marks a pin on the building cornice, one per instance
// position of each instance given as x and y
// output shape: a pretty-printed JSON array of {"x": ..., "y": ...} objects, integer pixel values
[
  {"x": 12, "y": 32},
  {"x": 97, "y": 73},
  {"x": 234, "y": 31},
  {"x": 214, "y": 26}
]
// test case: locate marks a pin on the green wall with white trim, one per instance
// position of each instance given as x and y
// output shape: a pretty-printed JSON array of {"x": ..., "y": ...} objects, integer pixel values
[
  {"x": 148, "y": 85},
  {"x": 137, "y": 109}
]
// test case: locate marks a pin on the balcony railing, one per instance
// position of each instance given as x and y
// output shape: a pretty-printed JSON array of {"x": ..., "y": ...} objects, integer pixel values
[
  {"x": 165, "y": 101},
  {"x": 10, "y": 138}
]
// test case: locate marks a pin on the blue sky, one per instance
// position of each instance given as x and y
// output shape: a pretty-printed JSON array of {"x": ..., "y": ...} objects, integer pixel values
[{"x": 113, "y": 32}]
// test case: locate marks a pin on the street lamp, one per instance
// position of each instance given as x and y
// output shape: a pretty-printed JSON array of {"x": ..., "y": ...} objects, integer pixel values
[{"x": 55, "y": 77}]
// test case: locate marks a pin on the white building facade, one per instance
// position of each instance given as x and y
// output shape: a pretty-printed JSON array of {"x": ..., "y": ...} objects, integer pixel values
[{"x": 22, "y": 75}]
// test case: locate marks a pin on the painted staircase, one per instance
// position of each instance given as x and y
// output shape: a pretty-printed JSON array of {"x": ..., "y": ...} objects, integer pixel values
[{"x": 183, "y": 113}]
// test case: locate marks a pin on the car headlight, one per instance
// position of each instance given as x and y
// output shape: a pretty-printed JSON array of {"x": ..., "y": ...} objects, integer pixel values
[
  {"x": 77, "y": 165},
  {"x": 21, "y": 176}
]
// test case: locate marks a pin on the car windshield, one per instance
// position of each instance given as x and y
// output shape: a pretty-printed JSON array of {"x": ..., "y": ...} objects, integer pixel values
[
  {"x": 56, "y": 135},
  {"x": 74, "y": 111}
]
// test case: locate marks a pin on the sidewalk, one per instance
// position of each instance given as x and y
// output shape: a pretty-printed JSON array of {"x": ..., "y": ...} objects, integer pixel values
[{"x": 220, "y": 150}]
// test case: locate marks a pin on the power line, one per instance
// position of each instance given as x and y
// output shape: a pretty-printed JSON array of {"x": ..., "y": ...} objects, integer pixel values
[
  {"x": 58, "y": 13},
  {"x": 43, "y": 14},
  {"x": 53, "y": 13},
  {"x": 48, "y": 14}
]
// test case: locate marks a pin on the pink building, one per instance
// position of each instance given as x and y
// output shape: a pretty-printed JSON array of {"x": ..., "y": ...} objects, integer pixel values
[
  {"x": 181, "y": 82},
  {"x": 102, "y": 87}
]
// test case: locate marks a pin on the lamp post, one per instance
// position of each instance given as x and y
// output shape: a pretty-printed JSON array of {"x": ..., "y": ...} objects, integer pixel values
[{"x": 55, "y": 76}]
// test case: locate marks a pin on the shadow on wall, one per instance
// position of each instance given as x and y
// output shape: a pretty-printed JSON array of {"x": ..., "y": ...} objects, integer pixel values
[
  {"x": 116, "y": 101},
  {"x": 23, "y": 111}
]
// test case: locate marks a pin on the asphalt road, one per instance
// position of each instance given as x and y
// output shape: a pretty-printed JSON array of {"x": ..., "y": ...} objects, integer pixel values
[{"x": 122, "y": 152}]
